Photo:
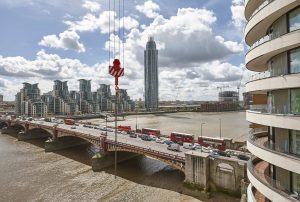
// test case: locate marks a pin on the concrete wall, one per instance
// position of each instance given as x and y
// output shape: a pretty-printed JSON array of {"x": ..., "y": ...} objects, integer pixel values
[
  {"x": 215, "y": 174},
  {"x": 197, "y": 170},
  {"x": 226, "y": 174}
]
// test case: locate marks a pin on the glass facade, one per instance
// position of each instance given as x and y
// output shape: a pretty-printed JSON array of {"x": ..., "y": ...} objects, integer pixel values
[
  {"x": 295, "y": 182},
  {"x": 294, "y": 60},
  {"x": 295, "y": 101},
  {"x": 294, "y": 20},
  {"x": 295, "y": 142}
]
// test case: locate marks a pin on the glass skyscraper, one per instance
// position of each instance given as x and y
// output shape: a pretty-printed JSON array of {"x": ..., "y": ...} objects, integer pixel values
[{"x": 151, "y": 75}]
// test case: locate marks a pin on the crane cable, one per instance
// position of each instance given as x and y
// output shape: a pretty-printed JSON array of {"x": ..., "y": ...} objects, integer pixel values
[
  {"x": 108, "y": 32},
  {"x": 123, "y": 34}
]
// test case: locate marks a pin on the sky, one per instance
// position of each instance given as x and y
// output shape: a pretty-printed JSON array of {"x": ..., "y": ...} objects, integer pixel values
[{"x": 200, "y": 44}]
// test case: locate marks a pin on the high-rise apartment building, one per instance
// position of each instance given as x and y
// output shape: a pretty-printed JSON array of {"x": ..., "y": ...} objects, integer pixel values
[
  {"x": 273, "y": 34},
  {"x": 1, "y": 98},
  {"x": 151, "y": 75},
  {"x": 28, "y": 101}
]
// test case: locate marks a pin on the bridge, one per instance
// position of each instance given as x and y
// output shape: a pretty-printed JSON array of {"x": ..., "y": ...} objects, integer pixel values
[
  {"x": 201, "y": 169},
  {"x": 63, "y": 136}
]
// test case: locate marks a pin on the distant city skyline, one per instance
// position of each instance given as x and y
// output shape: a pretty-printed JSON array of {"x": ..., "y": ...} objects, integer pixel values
[
  {"x": 200, "y": 43},
  {"x": 60, "y": 101}
]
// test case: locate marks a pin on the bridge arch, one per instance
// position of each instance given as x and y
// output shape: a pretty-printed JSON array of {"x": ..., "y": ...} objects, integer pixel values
[
  {"x": 39, "y": 132},
  {"x": 18, "y": 127},
  {"x": 174, "y": 163},
  {"x": 88, "y": 138}
]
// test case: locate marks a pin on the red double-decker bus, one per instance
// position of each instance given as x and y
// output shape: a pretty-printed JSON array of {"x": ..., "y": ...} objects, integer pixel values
[
  {"x": 181, "y": 137},
  {"x": 151, "y": 131},
  {"x": 127, "y": 129},
  {"x": 214, "y": 142}
]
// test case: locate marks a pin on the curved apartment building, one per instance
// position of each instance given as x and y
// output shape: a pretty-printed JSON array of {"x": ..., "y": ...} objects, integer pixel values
[{"x": 273, "y": 36}]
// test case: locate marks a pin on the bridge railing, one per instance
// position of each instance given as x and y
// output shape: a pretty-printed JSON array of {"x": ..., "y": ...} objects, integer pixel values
[
  {"x": 148, "y": 151},
  {"x": 79, "y": 134}
]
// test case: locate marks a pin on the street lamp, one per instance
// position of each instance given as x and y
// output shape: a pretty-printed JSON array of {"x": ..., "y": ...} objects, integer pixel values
[
  {"x": 220, "y": 128},
  {"x": 201, "y": 135}
]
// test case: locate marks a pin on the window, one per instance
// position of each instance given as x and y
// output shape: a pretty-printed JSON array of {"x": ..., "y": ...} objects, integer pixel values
[
  {"x": 294, "y": 60},
  {"x": 295, "y": 142},
  {"x": 294, "y": 20},
  {"x": 295, "y": 101},
  {"x": 295, "y": 182}
]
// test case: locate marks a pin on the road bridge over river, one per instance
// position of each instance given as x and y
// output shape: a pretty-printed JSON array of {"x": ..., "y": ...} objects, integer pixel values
[
  {"x": 98, "y": 138},
  {"x": 200, "y": 169}
]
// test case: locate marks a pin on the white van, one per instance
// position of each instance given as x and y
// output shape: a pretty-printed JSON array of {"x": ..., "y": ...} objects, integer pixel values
[
  {"x": 174, "y": 147},
  {"x": 189, "y": 146}
]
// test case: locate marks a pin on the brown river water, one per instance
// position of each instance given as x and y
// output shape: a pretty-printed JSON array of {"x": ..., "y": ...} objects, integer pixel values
[
  {"x": 27, "y": 173},
  {"x": 233, "y": 124}
]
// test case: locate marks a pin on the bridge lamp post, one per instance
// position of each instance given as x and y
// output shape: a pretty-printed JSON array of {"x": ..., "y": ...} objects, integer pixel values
[
  {"x": 201, "y": 134},
  {"x": 220, "y": 127}
]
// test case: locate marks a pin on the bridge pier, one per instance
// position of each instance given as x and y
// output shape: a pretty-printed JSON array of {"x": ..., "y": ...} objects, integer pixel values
[
  {"x": 9, "y": 131},
  {"x": 101, "y": 161},
  {"x": 63, "y": 143}
]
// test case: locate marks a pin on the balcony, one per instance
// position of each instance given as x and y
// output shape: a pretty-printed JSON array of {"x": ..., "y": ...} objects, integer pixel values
[
  {"x": 260, "y": 115},
  {"x": 265, "y": 16},
  {"x": 263, "y": 81},
  {"x": 259, "y": 145},
  {"x": 252, "y": 7},
  {"x": 258, "y": 57},
  {"x": 258, "y": 174}
]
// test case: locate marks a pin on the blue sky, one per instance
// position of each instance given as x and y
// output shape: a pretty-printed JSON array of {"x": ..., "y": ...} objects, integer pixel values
[{"x": 200, "y": 44}]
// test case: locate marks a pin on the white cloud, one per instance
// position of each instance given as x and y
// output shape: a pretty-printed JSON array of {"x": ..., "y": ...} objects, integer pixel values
[
  {"x": 190, "y": 55},
  {"x": 91, "y": 22},
  {"x": 182, "y": 42},
  {"x": 237, "y": 11},
  {"x": 149, "y": 9},
  {"x": 92, "y": 6},
  {"x": 67, "y": 40}
]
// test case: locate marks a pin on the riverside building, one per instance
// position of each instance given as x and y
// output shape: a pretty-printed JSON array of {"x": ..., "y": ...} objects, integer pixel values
[
  {"x": 273, "y": 35},
  {"x": 61, "y": 101}
]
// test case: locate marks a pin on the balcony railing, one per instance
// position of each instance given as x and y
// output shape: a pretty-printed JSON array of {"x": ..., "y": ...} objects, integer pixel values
[
  {"x": 264, "y": 4},
  {"x": 278, "y": 110},
  {"x": 275, "y": 185},
  {"x": 259, "y": 76},
  {"x": 260, "y": 139}
]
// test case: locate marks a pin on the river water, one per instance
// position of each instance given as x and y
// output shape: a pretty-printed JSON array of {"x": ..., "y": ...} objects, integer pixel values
[
  {"x": 27, "y": 173},
  {"x": 233, "y": 124}
]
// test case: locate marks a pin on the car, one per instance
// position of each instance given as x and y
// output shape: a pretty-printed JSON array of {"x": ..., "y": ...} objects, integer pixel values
[
  {"x": 158, "y": 140},
  {"x": 174, "y": 147},
  {"x": 189, "y": 146},
  {"x": 73, "y": 127},
  {"x": 214, "y": 154},
  {"x": 223, "y": 153},
  {"x": 243, "y": 157},
  {"x": 146, "y": 138},
  {"x": 97, "y": 128},
  {"x": 133, "y": 135},
  {"x": 168, "y": 142},
  {"x": 153, "y": 137},
  {"x": 123, "y": 132},
  {"x": 76, "y": 124}
]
